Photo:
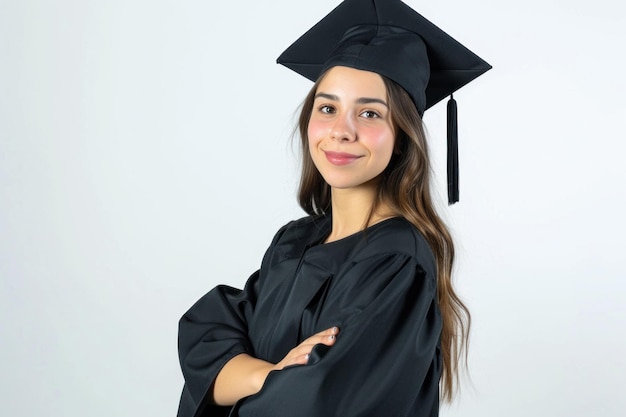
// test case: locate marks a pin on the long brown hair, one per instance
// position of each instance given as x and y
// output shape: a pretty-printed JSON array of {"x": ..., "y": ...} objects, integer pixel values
[{"x": 405, "y": 187}]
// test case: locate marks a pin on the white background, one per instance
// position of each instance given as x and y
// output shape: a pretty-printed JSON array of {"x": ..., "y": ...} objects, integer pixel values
[{"x": 145, "y": 157}]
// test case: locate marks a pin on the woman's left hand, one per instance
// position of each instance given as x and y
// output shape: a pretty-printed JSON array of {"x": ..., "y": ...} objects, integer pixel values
[{"x": 300, "y": 354}]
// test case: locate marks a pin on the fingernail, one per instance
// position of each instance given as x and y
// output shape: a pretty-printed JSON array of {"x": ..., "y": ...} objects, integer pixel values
[
  {"x": 335, "y": 329},
  {"x": 307, "y": 356},
  {"x": 331, "y": 337}
]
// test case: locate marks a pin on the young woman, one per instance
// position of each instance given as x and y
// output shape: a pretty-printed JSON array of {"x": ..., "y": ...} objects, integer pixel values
[{"x": 352, "y": 312}]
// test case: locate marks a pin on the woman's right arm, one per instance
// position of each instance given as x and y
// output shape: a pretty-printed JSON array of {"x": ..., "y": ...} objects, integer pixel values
[
  {"x": 244, "y": 375},
  {"x": 211, "y": 333}
]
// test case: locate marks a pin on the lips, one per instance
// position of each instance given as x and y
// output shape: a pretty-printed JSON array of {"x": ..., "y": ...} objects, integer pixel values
[{"x": 340, "y": 158}]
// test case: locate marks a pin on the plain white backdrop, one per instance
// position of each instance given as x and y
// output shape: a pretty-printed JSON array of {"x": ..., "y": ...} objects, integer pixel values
[{"x": 145, "y": 157}]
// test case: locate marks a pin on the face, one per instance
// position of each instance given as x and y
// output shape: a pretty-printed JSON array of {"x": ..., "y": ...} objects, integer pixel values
[{"x": 350, "y": 132}]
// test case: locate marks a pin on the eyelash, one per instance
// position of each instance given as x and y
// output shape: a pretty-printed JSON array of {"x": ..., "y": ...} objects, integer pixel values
[
  {"x": 326, "y": 109},
  {"x": 373, "y": 114}
]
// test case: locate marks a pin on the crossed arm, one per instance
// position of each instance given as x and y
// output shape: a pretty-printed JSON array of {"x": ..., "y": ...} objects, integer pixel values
[{"x": 245, "y": 375}]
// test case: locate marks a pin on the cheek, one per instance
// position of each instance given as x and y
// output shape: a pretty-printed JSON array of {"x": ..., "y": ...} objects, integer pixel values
[
  {"x": 382, "y": 141},
  {"x": 315, "y": 134},
  {"x": 316, "y": 131}
]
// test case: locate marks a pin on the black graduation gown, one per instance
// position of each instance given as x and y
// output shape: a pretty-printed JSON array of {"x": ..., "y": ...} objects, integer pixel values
[{"x": 378, "y": 286}]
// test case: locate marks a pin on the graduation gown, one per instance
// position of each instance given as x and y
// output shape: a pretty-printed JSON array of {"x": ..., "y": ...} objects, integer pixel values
[{"x": 378, "y": 286}]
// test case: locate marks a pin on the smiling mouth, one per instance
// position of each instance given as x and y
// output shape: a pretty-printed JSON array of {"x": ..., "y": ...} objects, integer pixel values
[{"x": 340, "y": 158}]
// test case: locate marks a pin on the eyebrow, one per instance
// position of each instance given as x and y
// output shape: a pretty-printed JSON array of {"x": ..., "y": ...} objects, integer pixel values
[{"x": 362, "y": 100}]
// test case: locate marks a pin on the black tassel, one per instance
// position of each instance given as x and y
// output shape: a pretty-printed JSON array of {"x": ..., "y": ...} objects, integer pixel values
[{"x": 453, "y": 153}]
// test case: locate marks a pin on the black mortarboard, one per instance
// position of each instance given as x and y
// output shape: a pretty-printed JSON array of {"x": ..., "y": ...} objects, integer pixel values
[{"x": 390, "y": 38}]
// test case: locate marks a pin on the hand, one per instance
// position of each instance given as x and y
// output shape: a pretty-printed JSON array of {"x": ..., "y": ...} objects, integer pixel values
[
  {"x": 244, "y": 375},
  {"x": 300, "y": 354}
]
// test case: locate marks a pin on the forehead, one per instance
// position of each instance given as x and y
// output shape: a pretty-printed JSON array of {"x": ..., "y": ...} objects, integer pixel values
[{"x": 350, "y": 82}]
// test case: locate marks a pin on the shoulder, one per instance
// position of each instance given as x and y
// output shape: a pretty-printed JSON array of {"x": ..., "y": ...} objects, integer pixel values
[
  {"x": 295, "y": 236},
  {"x": 397, "y": 236},
  {"x": 305, "y": 229}
]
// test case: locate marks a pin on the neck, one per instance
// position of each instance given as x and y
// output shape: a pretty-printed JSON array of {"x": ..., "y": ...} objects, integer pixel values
[{"x": 351, "y": 210}]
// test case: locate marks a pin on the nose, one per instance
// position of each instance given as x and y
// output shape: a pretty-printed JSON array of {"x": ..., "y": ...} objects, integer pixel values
[{"x": 343, "y": 129}]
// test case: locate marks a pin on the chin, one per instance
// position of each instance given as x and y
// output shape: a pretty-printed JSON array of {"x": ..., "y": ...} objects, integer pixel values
[{"x": 350, "y": 183}]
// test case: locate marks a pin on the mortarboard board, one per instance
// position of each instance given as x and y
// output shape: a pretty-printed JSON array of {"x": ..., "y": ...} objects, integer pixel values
[{"x": 390, "y": 38}]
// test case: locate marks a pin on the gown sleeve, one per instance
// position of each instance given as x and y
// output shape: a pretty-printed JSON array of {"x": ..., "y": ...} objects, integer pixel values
[
  {"x": 210, "y": 333},
  {"x": 386, "y": 359}
]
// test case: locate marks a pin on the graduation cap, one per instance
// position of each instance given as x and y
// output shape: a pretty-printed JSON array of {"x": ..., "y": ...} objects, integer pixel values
[{"x": 390, "y": 38}]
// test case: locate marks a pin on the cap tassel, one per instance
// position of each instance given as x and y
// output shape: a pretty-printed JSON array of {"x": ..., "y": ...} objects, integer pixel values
[{"x": 453, "y": 153}]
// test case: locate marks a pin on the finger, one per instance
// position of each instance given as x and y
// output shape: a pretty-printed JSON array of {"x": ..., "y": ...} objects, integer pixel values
[
  {"x": 301, "y": 359},
  {"x": 298, "y": 356},
  {"x": 326, "y": 339},
  {"x": 333, "y": 331},
  {"x": 329, "y": 336}
]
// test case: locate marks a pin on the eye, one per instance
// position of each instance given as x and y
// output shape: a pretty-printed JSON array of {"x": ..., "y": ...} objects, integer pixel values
[
  {"x": 369, "y": 114},
  {"x": 326, "y": 109}
]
